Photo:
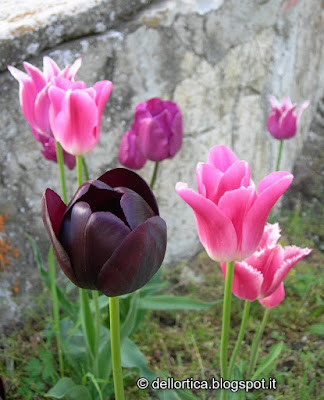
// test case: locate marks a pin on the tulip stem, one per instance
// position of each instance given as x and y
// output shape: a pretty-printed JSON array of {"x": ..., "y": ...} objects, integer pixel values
[
  {"x": 115, "y": 347},
  {"x": 256, "y": 343},
  {"x": 85, "y": 169},
  {"x": 60, "y": 161},
  {"x": 156, "y": 166},
  {"x": 79, "y": 169},
  {"x": 240, "y": 337},
  {"x": 226, "y": 323},
  {"x": 95, "y": 297},
  {"x": 279, "y": 155},
  {"x": 56, "y": 312}
]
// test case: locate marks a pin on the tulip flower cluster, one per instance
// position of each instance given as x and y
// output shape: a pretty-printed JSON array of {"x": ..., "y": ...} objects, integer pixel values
[
  {"x": 156, "y": 134},
  {"x": 58, "y": 108}
]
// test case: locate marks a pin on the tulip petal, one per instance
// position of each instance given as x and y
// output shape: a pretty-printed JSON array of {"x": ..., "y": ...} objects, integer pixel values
[
  {"x": 291, "y": 256},
  {"x": 72, "y": 238},
  {"x": 275, "y": 298},
  {"x": 53, "y": 210},
  {"x": 237, "y": 175},
  {"x": 270, "y": 189},
  {"x": 36, "y": 76},
  {"x": 235, "y": 204},
  {"x": 41, "y": 110},
  {"x": 208, "y": 178},
  {"x": 50, "y": 68},
  {"x": 273, "y": 124},
  {"x": 175, "y": 140},
  {"x": 288, "y": 124},
  {"x": 136, "y": 210},
  {"x": 136, "y": 260},
  {"x": 215, "y": 229},
  {"x": 221, "y": 157},
  {"x": 126, "y": 178},
  {"x": 129, "y": 154},
  {"x": 103, "y": 234},
  {"x": 247, "y": 281},
  {"x": 152, "y": 140},
  {"x": 75, "y": 125}
]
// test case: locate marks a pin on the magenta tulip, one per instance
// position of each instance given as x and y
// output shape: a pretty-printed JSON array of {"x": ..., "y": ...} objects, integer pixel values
[
  {"x": 156, "y": 134},
  {"x": 75, "y": 113},
  {"x": 49, "y": 150},
  {"x": 230, "y": 213},
  {"x": 260, "y": 277},
  {"x": 110, "y": 237},
  {"x": 282, "y": 121}
]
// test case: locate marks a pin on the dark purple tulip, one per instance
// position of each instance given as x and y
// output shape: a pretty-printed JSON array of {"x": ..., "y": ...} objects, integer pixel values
[
  {"x": 110, "y": 237},
  {"x": 2, "y": 390}
]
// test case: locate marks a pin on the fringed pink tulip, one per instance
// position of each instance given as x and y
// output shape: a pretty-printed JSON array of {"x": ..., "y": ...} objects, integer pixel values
[
  {"x": 75, "y": 113},
  {"x": 260, "y": 277},
  {"x": 156, "y": 134},
  {"x": 282, "y": 121},
  {"x": 230, "y": 212}
]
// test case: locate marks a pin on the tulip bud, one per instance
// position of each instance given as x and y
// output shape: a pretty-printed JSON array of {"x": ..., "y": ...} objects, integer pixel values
[
  {"x": 156, "y": 134},
  {"x": 110, "y": 237},
  {"x": 282, "y": 122},
  {"x": 2, "y": 390}
]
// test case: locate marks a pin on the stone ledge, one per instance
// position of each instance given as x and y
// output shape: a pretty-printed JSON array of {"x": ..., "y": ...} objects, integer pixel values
[{"x": 28, "y": 29}]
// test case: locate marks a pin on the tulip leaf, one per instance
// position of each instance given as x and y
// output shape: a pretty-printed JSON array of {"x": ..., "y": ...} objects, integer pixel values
[
  {"x": 274, "y": 353},
  {"x": 66, "y": 305},
  {"x": 128, "y": 325},
  {"x": 104, "y": 357},
  {"x": 66, "y": 389},
  {"x": 87, "y": 323},
  {"x": 165, "y": 302},
  {"x": 317, "y": 329},
  {"x": 183, "y": 394}
]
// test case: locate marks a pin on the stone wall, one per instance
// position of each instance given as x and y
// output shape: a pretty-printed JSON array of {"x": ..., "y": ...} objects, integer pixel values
[{"x": 219, "y": 60}]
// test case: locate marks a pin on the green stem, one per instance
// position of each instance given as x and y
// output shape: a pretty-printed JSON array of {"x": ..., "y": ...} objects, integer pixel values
[
  {"x": 279, "y": 155},
  {"x": 115, "y": 348},
  {"x": 60, "y": 161},
  {"x": 56, "y": 312},
  {"x": 156, "y": 166},
  {"x": 226, "y": 323},
  {"x": 256, "y": 343},
  {"x": 240, "y": 337},
  {"x": 85, "y": 169},
  {"x": 79, "y": 169}
]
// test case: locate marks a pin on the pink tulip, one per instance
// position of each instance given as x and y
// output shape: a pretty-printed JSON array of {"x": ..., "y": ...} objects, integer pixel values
[
  {"x": 35, "y": 103},
  {"x": 156, "y": 134},
  {"x": 260, "y": 276},
  {"x": 33, "y": 90},
  {"x": 282, "y": 121},
  {"x": 230, "y": 213},
  {"x": 75, "y": 113}
]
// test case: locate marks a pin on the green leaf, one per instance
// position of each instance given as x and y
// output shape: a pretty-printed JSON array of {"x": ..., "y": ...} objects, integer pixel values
[
  {"x": 61, "y": 388},
  {"x": 165, "y": 302},
  {"x": 317, "y": 329},
  {"x": 129, "y": 322},
  {"x": 87, "y": 322},
  {"x": 34, "y": 367},
  {"x": 274, "y": 353},
  {"x": 66, "y": 389}
]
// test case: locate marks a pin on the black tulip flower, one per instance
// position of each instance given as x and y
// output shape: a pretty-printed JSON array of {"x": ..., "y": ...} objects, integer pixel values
[
  {"x": 110, "y": 236},
  {"x": 2, "y": 390}
]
